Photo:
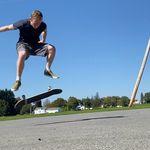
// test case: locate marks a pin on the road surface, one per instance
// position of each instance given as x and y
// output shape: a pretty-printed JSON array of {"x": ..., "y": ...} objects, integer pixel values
[{"x": 117, "y": 130}]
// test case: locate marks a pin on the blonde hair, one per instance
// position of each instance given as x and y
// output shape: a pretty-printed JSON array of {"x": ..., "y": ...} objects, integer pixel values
[{"x": 36, "y": 14}]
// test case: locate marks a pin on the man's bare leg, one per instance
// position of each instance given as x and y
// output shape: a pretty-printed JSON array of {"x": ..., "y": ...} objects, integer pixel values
[
  {"x": 20, "y": 63},
  {"x": 50, "y": 57},
  {"x": 20, "y": 66}
]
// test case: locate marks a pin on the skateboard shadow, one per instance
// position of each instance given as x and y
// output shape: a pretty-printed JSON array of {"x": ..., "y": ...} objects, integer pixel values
[{"x": 80, "y": 120}]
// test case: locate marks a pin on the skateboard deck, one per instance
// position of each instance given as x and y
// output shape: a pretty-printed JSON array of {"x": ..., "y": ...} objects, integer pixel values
[{"x": 38, "y": 97}]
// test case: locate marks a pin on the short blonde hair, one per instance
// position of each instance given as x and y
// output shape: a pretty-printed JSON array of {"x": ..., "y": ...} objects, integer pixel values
[{"x": 36, "y": 14}]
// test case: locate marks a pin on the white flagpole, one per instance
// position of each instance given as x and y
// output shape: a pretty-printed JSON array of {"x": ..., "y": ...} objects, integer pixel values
[{"x": 140, "y": 74}]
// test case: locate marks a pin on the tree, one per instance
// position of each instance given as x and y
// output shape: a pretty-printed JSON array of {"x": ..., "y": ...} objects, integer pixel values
[
  {"x": 114, "y": 100},
  {"x": 96, "y": 101},
  {"x": 107, "y": 101},
  {"x": 7, "y": 102},
  {"x": 72, "y": 103},
  {"x": 59, "y": 102},
  {"x": 87, "y": 102},
  {"x": 147, "y": 97},
  {"x": 3, "y": 107},
  {"x": 142, "y": 98},
  {"x": 125, "y": 101},
  {"x": 26, "y": 109},
  {"x": 119, "y": 102}
]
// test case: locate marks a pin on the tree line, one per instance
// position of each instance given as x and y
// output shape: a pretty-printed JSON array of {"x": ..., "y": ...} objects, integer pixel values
[
  {"x": 8, "y": 100},
  {"x": 93, "y": 102}
]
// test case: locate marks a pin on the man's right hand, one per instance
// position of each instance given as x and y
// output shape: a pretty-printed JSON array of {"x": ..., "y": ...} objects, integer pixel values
[{"x": 7, "y": 28}]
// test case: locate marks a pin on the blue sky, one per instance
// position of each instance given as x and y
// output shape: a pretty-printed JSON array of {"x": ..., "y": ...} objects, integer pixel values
[{"x": 100, "y": 46}]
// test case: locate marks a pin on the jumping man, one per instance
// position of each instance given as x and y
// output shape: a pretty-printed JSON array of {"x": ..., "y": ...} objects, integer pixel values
[{"x": 30, "y": 43}]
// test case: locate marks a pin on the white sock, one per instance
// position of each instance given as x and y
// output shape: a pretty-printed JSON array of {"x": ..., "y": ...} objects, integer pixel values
[
  {"x": 18, "y": 78},
  {"x": 47, "y": 67}
]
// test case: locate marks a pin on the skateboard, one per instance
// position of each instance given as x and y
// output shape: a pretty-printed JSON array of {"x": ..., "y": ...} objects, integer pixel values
[{"x": 37, "y": 97}]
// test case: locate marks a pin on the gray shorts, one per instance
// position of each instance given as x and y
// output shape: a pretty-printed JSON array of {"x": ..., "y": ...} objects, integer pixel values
[{"x": 40, "y": 49}]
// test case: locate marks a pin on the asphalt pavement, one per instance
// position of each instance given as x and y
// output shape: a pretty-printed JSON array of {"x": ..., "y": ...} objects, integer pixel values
[{"x": 117, "y": 130}]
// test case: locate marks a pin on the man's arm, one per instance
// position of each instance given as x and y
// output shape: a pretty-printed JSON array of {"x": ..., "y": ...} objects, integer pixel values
[
  {"x": 7, "y": 28},
  {"x": 43, "y": 36}
]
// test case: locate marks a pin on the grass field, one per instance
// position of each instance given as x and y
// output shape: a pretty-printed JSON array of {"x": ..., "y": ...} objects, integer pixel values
[{"x": 143, "y": 106}]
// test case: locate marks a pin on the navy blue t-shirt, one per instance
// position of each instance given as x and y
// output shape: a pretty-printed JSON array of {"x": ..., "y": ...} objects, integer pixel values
[{"x": 27, "y": 33}]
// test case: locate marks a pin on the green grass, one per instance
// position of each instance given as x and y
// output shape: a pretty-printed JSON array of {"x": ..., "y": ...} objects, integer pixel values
[{"x": 143, "y": 106}]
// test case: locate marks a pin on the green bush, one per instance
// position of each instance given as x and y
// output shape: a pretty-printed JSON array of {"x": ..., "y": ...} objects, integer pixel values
[{"x": 25, "y": 109}]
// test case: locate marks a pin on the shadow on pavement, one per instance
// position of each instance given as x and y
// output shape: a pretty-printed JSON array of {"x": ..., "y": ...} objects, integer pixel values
[{"x": 78, "y": 120}]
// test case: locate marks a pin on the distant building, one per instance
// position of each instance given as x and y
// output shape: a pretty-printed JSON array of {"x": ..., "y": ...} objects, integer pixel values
[
  {"x": 39, "y": 110},
  {"x": 137, "y": 102},
  {"x": 44, "y": 110},
  {"x": 53, "y": 110},
  {"x": 80, "y": 107}
]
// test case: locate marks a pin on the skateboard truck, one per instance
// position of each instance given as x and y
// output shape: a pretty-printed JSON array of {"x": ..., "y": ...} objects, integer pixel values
[
  {"x": 49, "y": 88},
  {"x": 24, "y": 98}
]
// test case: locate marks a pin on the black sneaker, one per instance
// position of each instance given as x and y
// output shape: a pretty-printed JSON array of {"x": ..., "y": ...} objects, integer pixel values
[
  {"x": 50, "y": 74},
  {"x": 16, "y": 85}
]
